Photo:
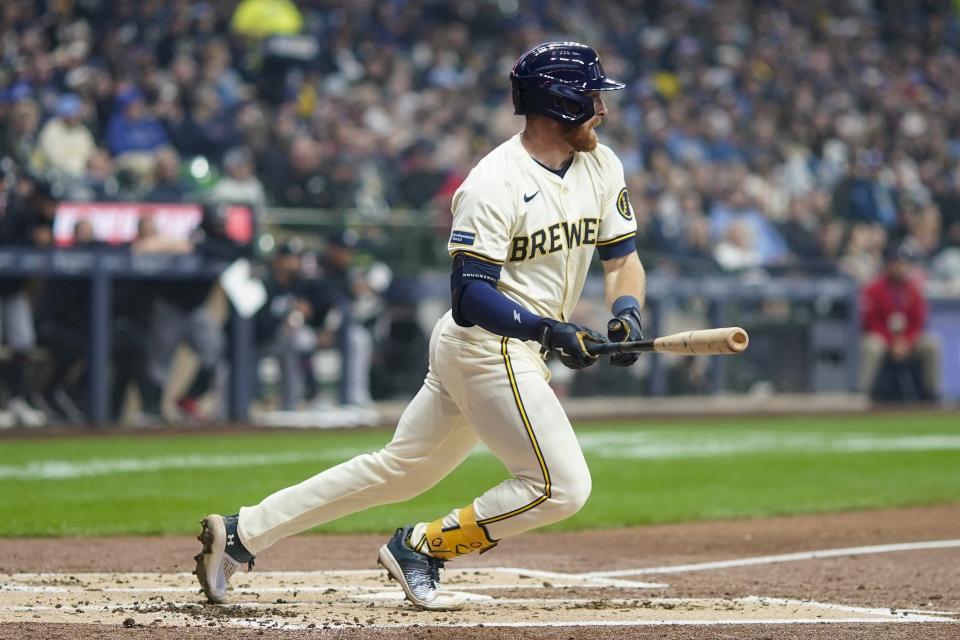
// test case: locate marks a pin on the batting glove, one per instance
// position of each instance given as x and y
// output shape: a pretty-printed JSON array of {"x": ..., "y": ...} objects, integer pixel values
[
  {"x": 570, "y": 341},
  {"x": 625, "y": 326}
]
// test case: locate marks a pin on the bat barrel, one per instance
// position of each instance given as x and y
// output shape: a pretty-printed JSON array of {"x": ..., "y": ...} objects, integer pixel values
[
  {"x": 738, "y": 340},
  {"x": 725, "y": 340},
  {"x": 722, "y": 341}
]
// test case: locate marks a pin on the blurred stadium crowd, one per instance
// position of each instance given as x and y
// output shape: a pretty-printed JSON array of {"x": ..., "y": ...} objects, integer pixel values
[{"x": 757, "y": 136}]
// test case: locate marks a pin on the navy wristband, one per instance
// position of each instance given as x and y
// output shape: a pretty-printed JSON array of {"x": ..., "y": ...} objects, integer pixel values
[{"x": 623, "y": 303}]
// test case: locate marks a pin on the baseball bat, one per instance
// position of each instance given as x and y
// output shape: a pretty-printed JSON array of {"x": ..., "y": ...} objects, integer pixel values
[{"x": 708, "y": 342}]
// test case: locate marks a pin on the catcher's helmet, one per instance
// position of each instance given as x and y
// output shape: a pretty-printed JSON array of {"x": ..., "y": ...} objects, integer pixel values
[{"x": 551, "y": 80}]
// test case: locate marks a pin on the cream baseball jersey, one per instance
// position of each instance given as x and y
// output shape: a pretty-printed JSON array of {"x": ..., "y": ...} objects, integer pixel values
[{"x": 540, "y": 228}]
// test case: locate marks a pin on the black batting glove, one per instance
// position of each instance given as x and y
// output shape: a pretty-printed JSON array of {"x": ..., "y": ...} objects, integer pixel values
[
  {"x": 625, "y": 327},
  {"x": 570, "y": 341}
]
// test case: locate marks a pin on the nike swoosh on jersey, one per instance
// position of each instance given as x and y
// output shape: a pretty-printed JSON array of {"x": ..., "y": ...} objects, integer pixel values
[{"x": 527, "y": 198}]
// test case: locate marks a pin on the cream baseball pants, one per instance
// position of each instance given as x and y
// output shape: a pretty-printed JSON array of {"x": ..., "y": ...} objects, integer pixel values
[{"x": 479, "y": 388}]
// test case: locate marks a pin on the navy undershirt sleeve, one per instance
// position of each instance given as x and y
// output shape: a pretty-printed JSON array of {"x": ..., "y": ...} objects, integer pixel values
[
  {"x": 476, "y": 301},
  {"x": 486, "y": 307},
  {"x": 618, "y": 249}
]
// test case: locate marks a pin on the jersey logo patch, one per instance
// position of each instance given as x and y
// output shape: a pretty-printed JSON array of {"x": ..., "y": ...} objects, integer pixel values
[
  {"x": 463, "y": 237},
  {"x": 527, "y": 198},
  {"x": 623, "y": 205}
]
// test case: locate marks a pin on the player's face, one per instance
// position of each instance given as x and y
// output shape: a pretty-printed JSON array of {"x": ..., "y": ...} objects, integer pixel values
[{"x": 583, "y": 137}]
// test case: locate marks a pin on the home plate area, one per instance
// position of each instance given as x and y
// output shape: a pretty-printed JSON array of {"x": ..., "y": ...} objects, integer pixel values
[{"x": 496, "y": 597}]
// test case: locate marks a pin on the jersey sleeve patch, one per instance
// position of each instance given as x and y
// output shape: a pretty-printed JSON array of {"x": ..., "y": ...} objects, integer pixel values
[
  {"x": 463, "y": 237},
  {"x": 623, "y": 205}
]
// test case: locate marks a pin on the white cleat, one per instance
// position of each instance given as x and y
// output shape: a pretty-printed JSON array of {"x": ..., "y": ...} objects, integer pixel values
[
  {"x": 215, "y": 566},
  {"x": 417, "y": 573}
]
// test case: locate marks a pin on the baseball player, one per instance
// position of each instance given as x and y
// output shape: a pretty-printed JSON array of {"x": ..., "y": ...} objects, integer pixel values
[{"x": 526, "y": 223}]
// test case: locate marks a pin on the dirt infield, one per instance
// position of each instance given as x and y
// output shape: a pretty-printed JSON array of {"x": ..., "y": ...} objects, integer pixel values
[{"x": 891, "y": 574}]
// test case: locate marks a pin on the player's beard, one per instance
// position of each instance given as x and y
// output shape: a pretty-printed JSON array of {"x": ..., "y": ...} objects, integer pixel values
[{"x": 583, "y": 137}]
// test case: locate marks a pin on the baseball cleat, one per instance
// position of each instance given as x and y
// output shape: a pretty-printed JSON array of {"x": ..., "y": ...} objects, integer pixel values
[
  {"x": 221, "y": 556},
  {"x": 417, "y": 573}
]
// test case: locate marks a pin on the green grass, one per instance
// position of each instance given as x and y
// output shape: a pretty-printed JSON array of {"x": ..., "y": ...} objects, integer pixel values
[{"x": 642, "y": 473}]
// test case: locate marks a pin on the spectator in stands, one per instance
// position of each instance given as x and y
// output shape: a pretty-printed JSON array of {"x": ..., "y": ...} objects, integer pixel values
[
  {"x": 19, "y": 134},
  {"x": 737, "y": 250},
  {"x": 799, "y": 230},
  {"x": 180, "y": 311},
  {"x": 863, "y": 255},
  {"x": 758, "y": 231},
  {"x": 298, "y": 181},
  {"x": 134, "y": 133},
  {"x": 220, "y": 73},
  {"x": 168, "y": 186},
  {"x": 99, "y": 182},
  {"x": 27, "y": 223},
  {"x": 65, "y": 143},
  {"x": 28, "y": 220},
  {"x": 240, "y": 185},
  {"x": 695, "y": 247},
  {"x": 894, "y": 314},
  {"x": 420, "y": 178},
  {"x": 923, "y": 229},
  {"x": 863, "y": 195},
  {"x": 280, "y": 325},
  {"x": 947, "y": 197},
  {"x": 207, "y": 130},
  {"x": 830, "y": 240}
]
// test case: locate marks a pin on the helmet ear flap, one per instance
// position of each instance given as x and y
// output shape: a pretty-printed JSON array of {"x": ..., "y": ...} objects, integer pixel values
[
  {"x": 557, "y": 102},
  {"x": 568, "y": 110},
  {"x": 574, "y": 107},
  {"x": 519, "y": 108}
]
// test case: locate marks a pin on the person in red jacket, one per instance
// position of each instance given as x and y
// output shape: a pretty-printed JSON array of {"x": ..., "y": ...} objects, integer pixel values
[{"x": 894, "y": 313}]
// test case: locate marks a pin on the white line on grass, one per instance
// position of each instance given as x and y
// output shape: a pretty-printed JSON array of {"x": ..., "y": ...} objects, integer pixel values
[
  {"x": 646, "y": 445},
  {"x": 66, "y": 469},
  {"x": 631, "y": 445},
  {"x": 783, "y": 557}
]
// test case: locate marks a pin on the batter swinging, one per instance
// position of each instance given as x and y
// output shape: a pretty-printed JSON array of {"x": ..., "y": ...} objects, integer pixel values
[{"x": 526, "y": 222}]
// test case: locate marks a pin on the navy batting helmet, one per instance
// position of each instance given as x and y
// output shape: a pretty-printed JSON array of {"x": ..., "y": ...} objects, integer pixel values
[{"x": 552, "y": 79}]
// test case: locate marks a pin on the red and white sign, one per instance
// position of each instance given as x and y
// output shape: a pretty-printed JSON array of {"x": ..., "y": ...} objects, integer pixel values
[{"x": 116, "y": 222}]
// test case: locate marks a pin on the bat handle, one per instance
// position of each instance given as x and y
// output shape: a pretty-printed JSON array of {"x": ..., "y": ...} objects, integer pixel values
[{"x": 609, "y": 348}]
